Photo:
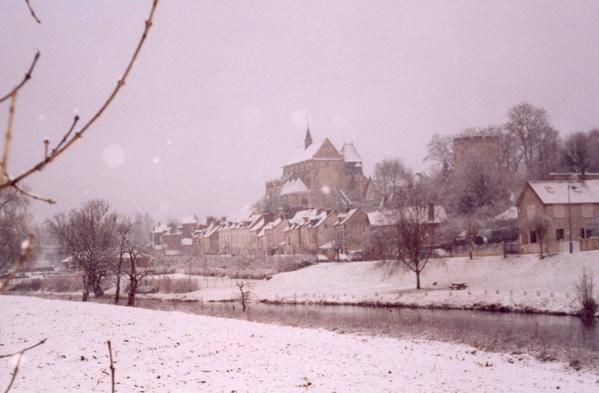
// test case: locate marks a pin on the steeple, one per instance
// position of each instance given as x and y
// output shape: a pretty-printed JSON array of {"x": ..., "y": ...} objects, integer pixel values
[{"x": 308, "y": 138}]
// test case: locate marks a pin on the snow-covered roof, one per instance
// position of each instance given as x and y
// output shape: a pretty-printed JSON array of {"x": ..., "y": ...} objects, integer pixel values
[
  {"x": 271, "y": 225},
  {"x": 388, "y": 217},
  {"x": 556, "y": 192},
  {"x": 301, "y": 154},
  {"x": 293, "y": 186},
  {"x": 328, "y": 245},
  {"x": 257, "y": 225},
  {"x": 160, "y": 228},
  {"x": 213, "y": 227},
  {"x": 509, "y": 214},
  {"x": 379, "y": 218},
  {"x": 343, "y": 217},
  {"x": 350, "y": 154},
  {"x": 186, "y": 241},
  {"x": 189, "y": 220},
  {"x": 309, "y": 217}
]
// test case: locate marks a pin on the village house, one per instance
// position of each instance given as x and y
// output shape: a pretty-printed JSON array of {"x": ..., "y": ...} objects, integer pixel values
[
  {"x": 572, "y": 208},
  {"x": 307, "y": 230},
  {"x": 351, "y": 231},
  {"x": 156, "y": 236},
  {"x": 271, "y": 239},
  {"x": 209, "y": 240},
  {"x": 431, "y": 216}
]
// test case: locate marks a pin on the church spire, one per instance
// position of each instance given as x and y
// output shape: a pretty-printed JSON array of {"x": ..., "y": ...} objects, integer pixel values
[{"x": 308, "y": 138}]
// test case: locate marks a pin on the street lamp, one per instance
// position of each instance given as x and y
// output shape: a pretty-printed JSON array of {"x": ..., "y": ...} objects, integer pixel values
[{"x": 573, "y": 187}]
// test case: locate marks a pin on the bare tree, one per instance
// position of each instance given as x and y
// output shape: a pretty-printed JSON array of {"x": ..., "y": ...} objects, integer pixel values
[
  {"x": 580, "y": 152},
  {"x": 87, "y": 234},
  {"x": 593, "y": 147},
  {"x": 538, "y": 140},
  {"x": 412, "y": 234},
  {"x": 123, "y": 233},
  {"x": 139, "y": 264},
  {"x": 389, "y": 176},
  {"x": 14, "y": 226},
  {"x": 244, "y": 294},
  {"x": 540, "y": 224},
  {"x": 440, "y": 151}
]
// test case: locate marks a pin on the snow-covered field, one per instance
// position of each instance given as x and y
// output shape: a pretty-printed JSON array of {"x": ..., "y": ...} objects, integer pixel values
[
  {"x": 522, "y": 283},
  {"x": 157, "y": 351}
]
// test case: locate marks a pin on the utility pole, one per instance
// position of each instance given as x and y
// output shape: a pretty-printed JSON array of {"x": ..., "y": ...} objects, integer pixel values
[{"x": 573, "y": 187}]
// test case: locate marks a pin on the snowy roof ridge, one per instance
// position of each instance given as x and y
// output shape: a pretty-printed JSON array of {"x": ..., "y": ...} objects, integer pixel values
[
  {"x": 350, "y": 153},
  {"x": 293, "y": 186},
  {"x": 556, "y": 191}
]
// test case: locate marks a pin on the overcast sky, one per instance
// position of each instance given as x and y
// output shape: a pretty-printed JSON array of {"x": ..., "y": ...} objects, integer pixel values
[{"x": 217, "y": 100}]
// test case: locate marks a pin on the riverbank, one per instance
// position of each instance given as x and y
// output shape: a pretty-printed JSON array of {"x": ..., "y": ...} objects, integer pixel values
[
  {"x": 171, "y": 351},
  {"x": 517, "y": 283}
]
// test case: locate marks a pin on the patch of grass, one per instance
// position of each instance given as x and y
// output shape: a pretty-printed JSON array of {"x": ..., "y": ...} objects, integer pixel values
[
  {"x": 62, "y": 284},
  {"x": 166, "y": 284},
  {"x": 27, "y": 285}
]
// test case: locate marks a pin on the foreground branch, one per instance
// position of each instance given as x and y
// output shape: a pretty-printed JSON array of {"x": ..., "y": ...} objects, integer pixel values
[
  {"x": 31, "y": 195},
  {"x": 71, "y": 139},
  {"x": 111, "y": 365},
  {"x": 25, "y": 78},
  {"x": 18, "y": 363},
  {"x": 32, "y": 12},
  {"x": 7, "y": 139}
]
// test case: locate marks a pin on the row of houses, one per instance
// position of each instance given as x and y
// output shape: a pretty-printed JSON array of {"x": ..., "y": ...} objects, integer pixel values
[{"x": 315, "y": 231}]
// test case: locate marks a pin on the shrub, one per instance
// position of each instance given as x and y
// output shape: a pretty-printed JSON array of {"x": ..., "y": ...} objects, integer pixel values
[
  {"x": 63, "y": 284},
  {"x": 34, "y": 284},
  {"x": 166, "y": 284},
  {"x": 584, "y": 291}
]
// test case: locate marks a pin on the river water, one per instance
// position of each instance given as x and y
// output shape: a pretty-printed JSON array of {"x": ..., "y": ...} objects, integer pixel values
[{"x": 546, "y": 336}]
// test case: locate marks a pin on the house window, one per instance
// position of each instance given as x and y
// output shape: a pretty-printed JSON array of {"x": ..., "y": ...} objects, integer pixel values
[
  {"x": 530, "y": 212},
  {"x": 532, "y": 236},
  {"x": 559, "y": 211},
  {"x": 587, "y": 211},
  {"x": 559, "y": 234},
  {"x": 585, "y": 233}
]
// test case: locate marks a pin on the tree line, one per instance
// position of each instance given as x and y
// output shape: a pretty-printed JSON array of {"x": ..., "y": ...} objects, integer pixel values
[
  {"x": 104, "y": 245},
  {"x": 473, "y": 190}
]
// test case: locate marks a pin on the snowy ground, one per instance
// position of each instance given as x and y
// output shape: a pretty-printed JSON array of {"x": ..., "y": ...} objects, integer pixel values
[
  {"x": 157, "y": 351},
  {"x": 522, "y": 283}
]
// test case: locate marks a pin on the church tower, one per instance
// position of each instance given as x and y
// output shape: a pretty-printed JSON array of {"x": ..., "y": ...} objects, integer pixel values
[{"x": 308, "y": 138}]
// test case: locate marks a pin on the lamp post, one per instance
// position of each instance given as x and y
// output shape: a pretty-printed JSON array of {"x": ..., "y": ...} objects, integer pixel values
[{"x": 573, "y": 187}]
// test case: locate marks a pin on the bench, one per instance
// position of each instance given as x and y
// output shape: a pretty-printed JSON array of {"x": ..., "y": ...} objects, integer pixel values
[{"x": 458, "y": 285}]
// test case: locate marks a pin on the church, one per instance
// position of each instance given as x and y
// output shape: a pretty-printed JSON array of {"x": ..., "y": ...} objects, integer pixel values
[{"x": 318, "y": 175}]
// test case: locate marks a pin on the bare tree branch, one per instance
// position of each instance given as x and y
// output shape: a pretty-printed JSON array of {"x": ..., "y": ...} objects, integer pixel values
[
  {"x": 32, "y": 12},
  {"x": 66, "y": 136},
  {"x": 7, "y": 138},
  {"x": 25, "y": 79},
  {"x": 24, "y": 349},
  {"x": 32, "y": 195},
  {"x": 18, "y": 364},
  {"x": 70, "y": 140},
  {"x": 111, "y": 365}
]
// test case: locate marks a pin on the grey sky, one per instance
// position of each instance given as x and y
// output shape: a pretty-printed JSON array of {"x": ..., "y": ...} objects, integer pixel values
[{"x": 215, "y": 104}]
